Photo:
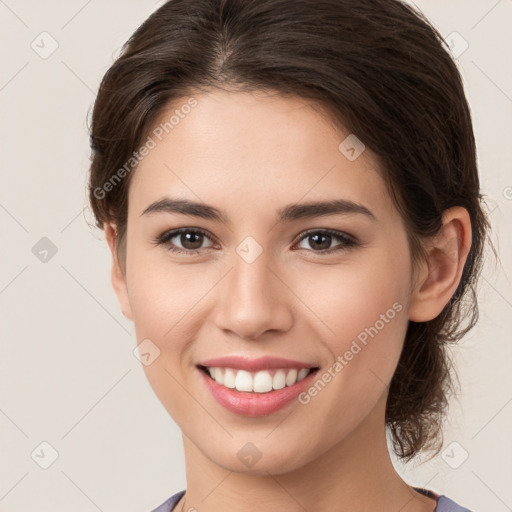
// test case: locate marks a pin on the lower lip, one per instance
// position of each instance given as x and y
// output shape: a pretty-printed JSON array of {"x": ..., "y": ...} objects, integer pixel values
[{"x": 255, "y": 404}]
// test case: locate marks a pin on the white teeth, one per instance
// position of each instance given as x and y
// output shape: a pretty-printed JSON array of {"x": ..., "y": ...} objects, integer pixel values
[
  {"x": 291, "y": 377},
  {"x": 243, "y": 381},
  {"x": 218, "y": 376},
  {"x": 229, "y": 378},
  {"x": 258, "y": 382},
  {"x": 279, "y": 380},
  {"x": 262, "y": 382},
  {"x": 302, "y": 373}
]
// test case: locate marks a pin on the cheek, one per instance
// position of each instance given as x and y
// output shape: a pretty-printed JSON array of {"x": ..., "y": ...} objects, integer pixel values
[
  {"x": 165, "y": 301},
  {"x": 366, "y": 313},
  {"x": 366, "y": 316},
  {"x": 162, "y": 296},
  {"x": 354, "y": 299},
  {"x": 168, "y": 303}
]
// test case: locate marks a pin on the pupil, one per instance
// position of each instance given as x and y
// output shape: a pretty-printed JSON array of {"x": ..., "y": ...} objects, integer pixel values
[
  {"x": 325, "y": 245},
  {"x": 187, "y": 240}
]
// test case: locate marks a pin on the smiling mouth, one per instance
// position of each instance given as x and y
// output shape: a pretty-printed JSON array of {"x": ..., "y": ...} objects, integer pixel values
[{"x": 262, "y": 381}]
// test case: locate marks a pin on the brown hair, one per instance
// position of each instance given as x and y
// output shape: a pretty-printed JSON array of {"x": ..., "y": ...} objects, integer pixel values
[{"x": 381, "y": 70}]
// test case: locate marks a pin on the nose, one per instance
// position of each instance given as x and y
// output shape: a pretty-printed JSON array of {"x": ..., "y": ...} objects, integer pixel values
[{"x": 253, "y": 299}]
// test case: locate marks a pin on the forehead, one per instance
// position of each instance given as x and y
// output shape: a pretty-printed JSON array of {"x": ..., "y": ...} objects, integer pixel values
[{"x": 253, "y": 151}]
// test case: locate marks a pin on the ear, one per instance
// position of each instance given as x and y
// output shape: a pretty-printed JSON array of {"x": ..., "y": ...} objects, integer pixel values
[
  {"x": 117, "y": 275},
  {"x": 441, "y": 272}
]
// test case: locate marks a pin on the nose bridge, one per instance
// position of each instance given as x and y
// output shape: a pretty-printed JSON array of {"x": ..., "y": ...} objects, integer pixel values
[
  {"x": 250, "y": 276},
  {"x": 253, "y": 299}
]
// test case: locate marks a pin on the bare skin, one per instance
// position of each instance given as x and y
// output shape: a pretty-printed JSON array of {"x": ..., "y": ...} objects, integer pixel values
[{"x": 250, "y": 155}]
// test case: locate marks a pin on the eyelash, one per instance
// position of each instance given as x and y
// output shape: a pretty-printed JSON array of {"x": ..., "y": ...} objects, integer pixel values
[{"x": 348, "y": 242}]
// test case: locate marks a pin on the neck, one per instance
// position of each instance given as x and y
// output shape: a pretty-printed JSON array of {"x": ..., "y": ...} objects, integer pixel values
[{"x": 355, "y": 474}]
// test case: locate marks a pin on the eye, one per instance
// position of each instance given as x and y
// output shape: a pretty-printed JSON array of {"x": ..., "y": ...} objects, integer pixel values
[
  {"x": 321, "y": 239},
  {"x": 190, "y": 240}
]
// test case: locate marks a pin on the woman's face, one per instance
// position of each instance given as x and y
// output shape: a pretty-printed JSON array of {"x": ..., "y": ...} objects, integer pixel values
[{"x": 264, "y": 279}]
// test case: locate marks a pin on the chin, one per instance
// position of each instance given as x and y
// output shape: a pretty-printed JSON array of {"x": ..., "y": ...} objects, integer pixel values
[{"x": 248, "y": 459}]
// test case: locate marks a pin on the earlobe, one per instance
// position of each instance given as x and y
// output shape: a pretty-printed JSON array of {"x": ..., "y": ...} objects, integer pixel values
[
  {"x": 446, "y": 255},
  {"x": 118, "y": 277}
]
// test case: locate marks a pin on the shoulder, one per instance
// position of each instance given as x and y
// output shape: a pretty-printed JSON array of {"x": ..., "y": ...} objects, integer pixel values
[
  {"x": 445, "y": 504},
  {"x": 168, "y": 505}
]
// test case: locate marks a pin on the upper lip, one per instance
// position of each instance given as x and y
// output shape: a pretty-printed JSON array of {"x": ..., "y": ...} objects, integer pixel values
[{"x": 254, "y": 365}]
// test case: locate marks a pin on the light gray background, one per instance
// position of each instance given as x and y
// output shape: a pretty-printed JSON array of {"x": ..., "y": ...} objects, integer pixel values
[{"x": 68, "y": 373}]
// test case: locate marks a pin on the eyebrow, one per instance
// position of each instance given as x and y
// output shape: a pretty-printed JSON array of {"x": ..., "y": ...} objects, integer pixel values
[{"x": 288, "y": 213}]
